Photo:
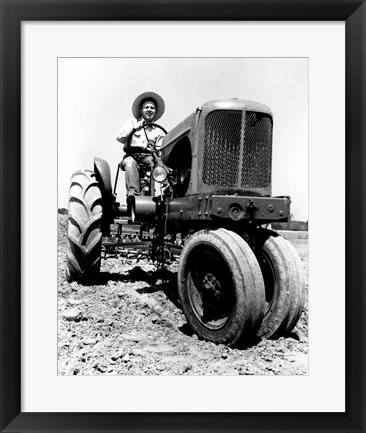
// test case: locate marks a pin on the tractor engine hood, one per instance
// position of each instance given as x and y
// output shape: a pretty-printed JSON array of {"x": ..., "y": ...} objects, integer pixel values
[{"x": 184, "y": 133}]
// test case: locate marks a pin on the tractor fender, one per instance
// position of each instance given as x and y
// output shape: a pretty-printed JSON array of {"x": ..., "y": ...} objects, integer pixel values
[{"x": 103, "y": 176}]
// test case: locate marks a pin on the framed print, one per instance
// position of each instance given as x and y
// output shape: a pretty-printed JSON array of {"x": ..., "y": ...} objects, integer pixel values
[{"x": 72, "y": 358}]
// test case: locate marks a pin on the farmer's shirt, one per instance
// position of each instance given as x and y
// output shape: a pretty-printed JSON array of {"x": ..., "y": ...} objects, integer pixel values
[{"x": 139, "y": 141}]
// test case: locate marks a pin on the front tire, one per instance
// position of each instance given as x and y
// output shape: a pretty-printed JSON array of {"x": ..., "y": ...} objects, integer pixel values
[
  {"x": 220, "y": 287},
  {"x": 84, "y": 232},
  {"x": 285, "y": 284}
]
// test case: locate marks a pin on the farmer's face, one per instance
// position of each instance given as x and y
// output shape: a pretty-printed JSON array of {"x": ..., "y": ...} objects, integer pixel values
[{"x": 148, "y": 111}]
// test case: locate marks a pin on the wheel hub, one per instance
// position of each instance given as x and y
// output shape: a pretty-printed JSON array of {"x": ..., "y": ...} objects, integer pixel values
[{"x": 211, "y": 283}]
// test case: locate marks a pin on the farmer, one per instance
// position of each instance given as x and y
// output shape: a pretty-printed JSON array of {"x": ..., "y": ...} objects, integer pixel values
[{"x": 138, "y": 136}]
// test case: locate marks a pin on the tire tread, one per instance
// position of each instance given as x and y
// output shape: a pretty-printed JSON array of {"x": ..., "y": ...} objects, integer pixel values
[{"x": 84, "y": 227}]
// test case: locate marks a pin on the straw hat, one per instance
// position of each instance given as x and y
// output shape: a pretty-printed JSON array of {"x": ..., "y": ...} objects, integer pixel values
[{"x": 149, "y": 96}]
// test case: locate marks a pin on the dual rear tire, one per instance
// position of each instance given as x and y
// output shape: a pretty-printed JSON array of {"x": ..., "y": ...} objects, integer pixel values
[{"x": 84, "y": 234}]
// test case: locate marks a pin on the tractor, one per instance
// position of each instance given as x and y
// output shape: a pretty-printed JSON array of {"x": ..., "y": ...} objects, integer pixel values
[{"x": 237, "y": 279}]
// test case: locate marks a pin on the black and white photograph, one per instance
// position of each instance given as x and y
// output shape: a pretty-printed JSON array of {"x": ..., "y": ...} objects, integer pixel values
[{"x": 182, "y": 216}]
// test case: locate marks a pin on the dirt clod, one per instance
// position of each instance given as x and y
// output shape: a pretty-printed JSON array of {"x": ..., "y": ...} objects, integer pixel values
[{"x": 73, "y": 314}]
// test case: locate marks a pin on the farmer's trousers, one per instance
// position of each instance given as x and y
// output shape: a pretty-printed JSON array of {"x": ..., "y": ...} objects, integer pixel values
[{"x": 132, "y": 166}]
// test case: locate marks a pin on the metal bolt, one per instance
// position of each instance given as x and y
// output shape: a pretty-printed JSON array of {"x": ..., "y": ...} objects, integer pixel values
[
  {"x": 219, "y": 210},
  {"x": 271, "y": 208},
  {"x": 282, "y": 213},
  {"x": 199, "y": 198},
  {"x": 199, "y": 213}
]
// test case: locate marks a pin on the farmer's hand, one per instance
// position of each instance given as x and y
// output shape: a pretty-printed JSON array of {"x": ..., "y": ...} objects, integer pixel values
[
  {"x": 150, "y": 146},
  {"x": 139, "y": 124}
]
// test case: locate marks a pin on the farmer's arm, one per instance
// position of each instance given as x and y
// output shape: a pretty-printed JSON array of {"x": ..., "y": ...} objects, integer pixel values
[{"x": 125, "y": 131}]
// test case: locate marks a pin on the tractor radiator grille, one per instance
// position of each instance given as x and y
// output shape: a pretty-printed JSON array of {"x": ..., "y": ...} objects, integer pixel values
[
  {"x": 257, "y": 153},
  {"x": 237, "y": 149},
  {"x": 222, "y": 148}
]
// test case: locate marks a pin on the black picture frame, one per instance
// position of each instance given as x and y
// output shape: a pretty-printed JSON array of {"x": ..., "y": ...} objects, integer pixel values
[{"x": 353, "y": 13}]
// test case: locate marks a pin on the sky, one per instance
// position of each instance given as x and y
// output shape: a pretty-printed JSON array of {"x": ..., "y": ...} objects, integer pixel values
[{"x": 95, "y": 97}]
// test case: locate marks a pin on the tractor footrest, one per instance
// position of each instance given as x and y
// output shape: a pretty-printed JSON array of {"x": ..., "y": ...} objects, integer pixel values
[{"x": 121, "y": 221}]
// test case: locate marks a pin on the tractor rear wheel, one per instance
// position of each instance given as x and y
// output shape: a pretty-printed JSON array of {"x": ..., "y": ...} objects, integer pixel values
[
  {"x": 284, "y": 281},
  {"x": 84, "y": 232},
  {"x": 220, "y": 287}
]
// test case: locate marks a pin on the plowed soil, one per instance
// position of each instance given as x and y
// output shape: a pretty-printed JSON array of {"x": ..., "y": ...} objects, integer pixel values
[{"x": 130, "y": 323}]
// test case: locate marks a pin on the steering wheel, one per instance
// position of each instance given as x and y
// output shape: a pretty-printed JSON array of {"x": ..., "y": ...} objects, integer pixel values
[
  {"x": 144, "y": 126},
  {"x": 156, "y": 125}
]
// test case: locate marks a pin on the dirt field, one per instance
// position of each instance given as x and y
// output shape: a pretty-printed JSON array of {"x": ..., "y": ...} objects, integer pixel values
[{"x": 130, "y": 323}]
